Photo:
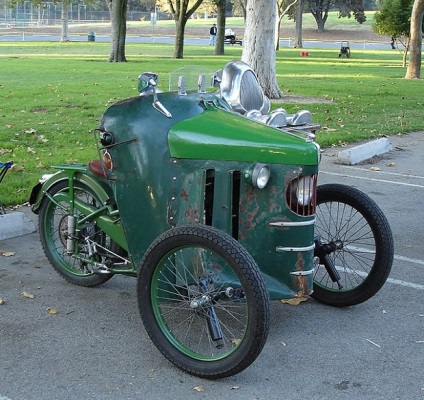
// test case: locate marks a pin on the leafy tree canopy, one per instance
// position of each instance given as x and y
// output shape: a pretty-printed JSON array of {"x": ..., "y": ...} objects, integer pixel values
[
  {"x": 393, "y": 18},
  {"x": 346, "y": 8}
]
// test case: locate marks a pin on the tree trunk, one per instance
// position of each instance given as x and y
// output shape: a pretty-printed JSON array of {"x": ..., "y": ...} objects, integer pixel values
[
  {"x": 259, "y": 44},
  {"x": 220, "y": 22},
  {"x": 405, "y": 52},
  {"x": 298, "y": 41},
  {"x": 414, "y": 67},
  {"x": 283, "y": 8},
  {"x": 179, "y": 37},
  {"x": 117, "y": 10},
  {"x": 277, "y": 33},
  {"x": 181, "y": 14},
  {"x": 320, "y": 20},
  {"x": 319, "y": 9},
  {"x": 243, "y": 8},
  {"x": 64, "y": 15}
]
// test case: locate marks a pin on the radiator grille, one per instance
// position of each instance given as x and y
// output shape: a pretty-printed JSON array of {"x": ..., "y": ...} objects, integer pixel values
[{"x": 302, "y": 184}]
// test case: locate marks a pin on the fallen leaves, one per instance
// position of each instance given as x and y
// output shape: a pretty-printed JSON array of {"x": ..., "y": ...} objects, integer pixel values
[
  {"x": 295, "y": 301},
  {"x": 16, "y": 168},
  {"x": 51, "y": 310},
  {"x": 30, "y": 131},
  {"x": 2, "y": 301},
  {"x": 5, "y": 151},
  {"x": 202, "y": 389},
  {"x": 27, "y": 295},
  {"x": 7, "y": 253}
]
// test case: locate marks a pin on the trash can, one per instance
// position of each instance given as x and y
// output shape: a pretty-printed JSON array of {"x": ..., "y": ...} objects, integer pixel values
[{"x": 91, "y": 37}]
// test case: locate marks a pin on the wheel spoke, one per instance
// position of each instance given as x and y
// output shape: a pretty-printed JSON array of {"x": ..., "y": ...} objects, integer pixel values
[
  {"x": 53, "y": 224},
  {"x": 353, "y": 233},
  {"x": 188, "y": 267},
  {"x": 200, "y": 281}
]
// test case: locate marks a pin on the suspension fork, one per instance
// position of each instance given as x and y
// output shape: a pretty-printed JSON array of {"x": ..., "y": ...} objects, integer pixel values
[
  {"x": 73, "y": 223},
  {"x": 322, "y": 251},
  {"x": 212, "y": 319}
]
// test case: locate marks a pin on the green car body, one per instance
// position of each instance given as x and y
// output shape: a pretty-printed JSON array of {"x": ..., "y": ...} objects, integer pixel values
[{"x": 196, "y": 167}]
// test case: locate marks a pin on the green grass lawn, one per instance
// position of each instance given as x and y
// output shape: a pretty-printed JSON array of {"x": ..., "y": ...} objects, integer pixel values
[{"x": 52, "y": 96}]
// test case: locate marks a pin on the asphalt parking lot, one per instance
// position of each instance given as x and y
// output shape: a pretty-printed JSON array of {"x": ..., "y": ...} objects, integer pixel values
[{"x": 95, "y": 347}]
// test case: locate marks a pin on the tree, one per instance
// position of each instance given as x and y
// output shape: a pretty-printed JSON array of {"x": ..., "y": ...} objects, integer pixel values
[
  {"x": 393, "y": 20},
  {"x": 416, "y": 29},
  {"x": 220, "y": 22},
  {"x": 240, "y": 4},
  {"x": 65, "y": 18},
  {"x": 181, "y": 11},
  {"x": 320, "y": 9},
  {"x": 298, "y": 41},
  {"x": 259, "y": 44},
  {"x": 283, "y": 8},
  {"x": 117, "y": 10}
]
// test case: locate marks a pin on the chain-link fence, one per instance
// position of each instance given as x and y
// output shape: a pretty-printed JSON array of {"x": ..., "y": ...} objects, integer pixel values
[{"x": 26, "y": 13}]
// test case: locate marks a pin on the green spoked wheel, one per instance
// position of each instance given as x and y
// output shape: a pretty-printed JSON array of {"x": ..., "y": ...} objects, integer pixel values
[
  {"x": 54, "y": 232},
  {"x": 203, "y": 301},
  {"x": 354, "y": 244}
]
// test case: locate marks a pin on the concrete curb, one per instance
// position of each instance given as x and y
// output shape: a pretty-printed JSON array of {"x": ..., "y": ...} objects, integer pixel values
[
  {"x": 15, "y": 224},
  {"x": 363, "y": 152}
]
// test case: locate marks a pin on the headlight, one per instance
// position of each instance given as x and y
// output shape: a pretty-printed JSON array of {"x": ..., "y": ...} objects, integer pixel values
[
  {"x": 305, "y": 190},
  {"x": 107, "y": 138},
  {"x": 301, "y": 195},
  {"x": 260, "y": 175}
]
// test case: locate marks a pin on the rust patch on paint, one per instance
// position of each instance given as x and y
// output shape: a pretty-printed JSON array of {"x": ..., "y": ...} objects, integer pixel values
[
  {"x": 300, "y": 281},
  {"x": 192, "y": 215},
  {"x": 184, "y": 195}
]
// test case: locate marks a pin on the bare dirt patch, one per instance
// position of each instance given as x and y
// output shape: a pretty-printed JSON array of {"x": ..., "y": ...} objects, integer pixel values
[{"x": 289, "y": 98}]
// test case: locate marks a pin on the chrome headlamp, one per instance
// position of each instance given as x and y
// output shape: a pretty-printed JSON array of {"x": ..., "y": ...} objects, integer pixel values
[
  {"x": 259, "y": 175},
  {"x": 305, "y": 190}
]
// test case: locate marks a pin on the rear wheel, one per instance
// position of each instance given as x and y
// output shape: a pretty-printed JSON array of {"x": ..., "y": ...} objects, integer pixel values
[
  {"x": 203, "y": 301},
  {"x": 54, "y": 231},
  {"x": 354, "y": 243}
]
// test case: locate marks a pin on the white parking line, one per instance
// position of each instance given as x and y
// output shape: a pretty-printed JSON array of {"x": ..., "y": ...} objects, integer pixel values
[
  {"x": 387, "y": 173},
  {"x": 373, "y": 179},
  {"x": 410, "y": 260},
  {"x": 389, "y": 280},
  {"x": 405, "y": 283},
  {"x": 396, "y": 257}
]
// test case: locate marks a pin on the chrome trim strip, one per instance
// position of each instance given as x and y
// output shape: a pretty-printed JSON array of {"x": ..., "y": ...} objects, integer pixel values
[
  {"x": 302, "y": 273},
  {"x": 281, "y": 224},
  {"x": 281, "y": 248}
]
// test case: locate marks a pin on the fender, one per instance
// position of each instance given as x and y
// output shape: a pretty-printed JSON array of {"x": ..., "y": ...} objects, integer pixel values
[{"x": 79, "y": 172}]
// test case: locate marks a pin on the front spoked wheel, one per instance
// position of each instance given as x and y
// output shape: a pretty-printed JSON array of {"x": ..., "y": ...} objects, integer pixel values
[
  {"x": 203, "y": 301},
  {"x": 354, "y": 243}
]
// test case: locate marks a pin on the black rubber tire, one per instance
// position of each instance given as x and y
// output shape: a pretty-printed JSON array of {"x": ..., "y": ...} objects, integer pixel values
[
  {"x": 351, "y": 217},
  {"x": 188, "y": 255},
  {"x": 53, "y": 230}
]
